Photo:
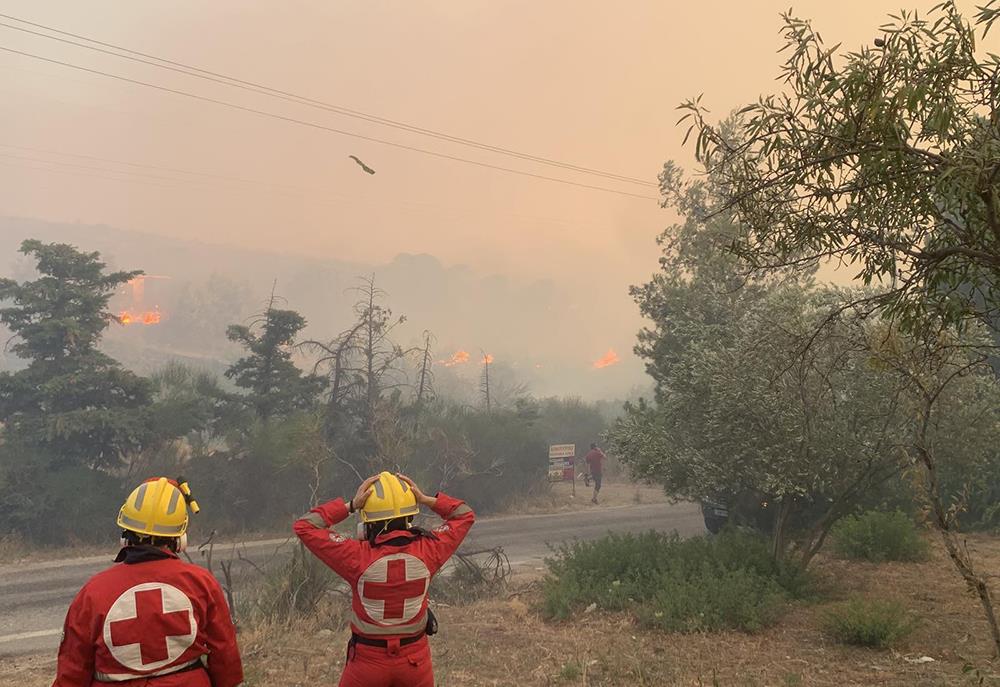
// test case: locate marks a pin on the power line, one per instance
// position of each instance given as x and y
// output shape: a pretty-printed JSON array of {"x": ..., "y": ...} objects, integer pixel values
[
  {"x": 323, "y": 196},
  {"x": 251, "y": 86},
  {"x": 322, "y": 127}
]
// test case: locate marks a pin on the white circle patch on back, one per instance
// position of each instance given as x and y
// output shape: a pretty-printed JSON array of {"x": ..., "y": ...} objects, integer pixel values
[
  {"x": 149, "y": 626},
  {"x": 393, "y": 588}
]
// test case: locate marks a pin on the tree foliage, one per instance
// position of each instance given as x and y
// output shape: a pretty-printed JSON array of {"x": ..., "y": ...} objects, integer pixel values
[
  {"x": 274, "y": 385},
  {"x": 72, "y": 403},
  {"x": 886, "y": 158}
]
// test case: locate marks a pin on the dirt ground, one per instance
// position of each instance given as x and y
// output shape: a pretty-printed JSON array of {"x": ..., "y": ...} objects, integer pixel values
[{"x": 504, "y": 642}]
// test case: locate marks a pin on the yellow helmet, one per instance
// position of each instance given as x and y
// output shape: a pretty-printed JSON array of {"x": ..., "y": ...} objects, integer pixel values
[
  {"x": 158, "y": 508},
  {"x": 390, "y": 498}
]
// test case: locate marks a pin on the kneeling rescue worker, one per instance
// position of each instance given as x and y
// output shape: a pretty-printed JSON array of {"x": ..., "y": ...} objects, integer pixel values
[
  {"x": 151, "y": 619},
  {"x": 389, "y": 567}
]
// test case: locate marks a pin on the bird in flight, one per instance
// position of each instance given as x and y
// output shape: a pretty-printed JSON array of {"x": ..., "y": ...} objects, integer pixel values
[{"x": 362, "y": 164}]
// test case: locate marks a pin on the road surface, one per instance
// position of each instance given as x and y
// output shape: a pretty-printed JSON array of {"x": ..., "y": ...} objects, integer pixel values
[{"x": 34, "y": 596}]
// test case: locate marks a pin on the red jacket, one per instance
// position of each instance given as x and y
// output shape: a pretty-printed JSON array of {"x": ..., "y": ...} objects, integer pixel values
[
  {"x": 389, "y": 581},
  {"x": 144, "y": 618}
]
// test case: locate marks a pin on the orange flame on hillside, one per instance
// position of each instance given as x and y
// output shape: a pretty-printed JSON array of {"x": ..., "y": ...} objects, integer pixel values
[
  {"x": 457, "y": 358},
  {"x": 148, "y": 317},
  {"x": 607, "y": 360},
  {"x": 136, "y": 314},
  {"x": 487, "y": 359}
]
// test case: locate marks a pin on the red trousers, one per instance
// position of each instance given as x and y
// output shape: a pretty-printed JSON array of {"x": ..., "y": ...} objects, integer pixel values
[{"x": 372, "y": 666}]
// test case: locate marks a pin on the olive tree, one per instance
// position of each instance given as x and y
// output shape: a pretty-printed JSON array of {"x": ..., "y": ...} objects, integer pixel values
[
  {"x": 885, "y": 159},
  {"x": 954, "y": 398},
  {"x": 801, "y": 422}
]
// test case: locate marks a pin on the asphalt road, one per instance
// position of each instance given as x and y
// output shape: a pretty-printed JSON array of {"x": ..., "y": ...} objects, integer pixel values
[{"x": 34, "y": 597}]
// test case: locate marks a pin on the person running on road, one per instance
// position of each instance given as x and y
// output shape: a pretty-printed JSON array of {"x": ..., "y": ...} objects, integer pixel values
[
  {"x": 151, "y": 619},
  {"x": 389, "y": 568},
  {"x": 595, "y": 465}
]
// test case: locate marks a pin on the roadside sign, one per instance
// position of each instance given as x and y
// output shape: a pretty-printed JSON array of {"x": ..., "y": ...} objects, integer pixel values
[{"x": 562, "y": 463}]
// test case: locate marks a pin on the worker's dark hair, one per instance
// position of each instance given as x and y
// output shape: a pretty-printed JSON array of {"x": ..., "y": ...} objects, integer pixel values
[
  {"x": 374, "y": 529},
  {"x": 135, "y": 539},
  {"x": 593, "y": 445}
]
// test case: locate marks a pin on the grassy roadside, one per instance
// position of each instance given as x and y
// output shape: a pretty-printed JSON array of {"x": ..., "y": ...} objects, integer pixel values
[{"x": 505, "y": 642}]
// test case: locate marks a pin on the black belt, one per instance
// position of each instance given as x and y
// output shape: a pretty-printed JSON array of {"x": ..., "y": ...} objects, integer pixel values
[
  {"x": 383, "y": 643},
  {"x": 193, "y": 665}
]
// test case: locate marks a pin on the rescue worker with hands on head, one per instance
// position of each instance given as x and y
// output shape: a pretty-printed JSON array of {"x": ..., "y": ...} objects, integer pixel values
[
  {"x": 151, "y": 619},
  {"x": 389, "y": 567}
]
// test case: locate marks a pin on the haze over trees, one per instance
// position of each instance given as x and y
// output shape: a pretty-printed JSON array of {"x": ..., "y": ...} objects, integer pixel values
[
  {"x": 202, "y": 288},
  {"x": 262, "y": 442}
]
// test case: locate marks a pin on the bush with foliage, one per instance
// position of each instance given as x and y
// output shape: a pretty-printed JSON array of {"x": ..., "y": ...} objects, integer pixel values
[
  {"x": 877, "y": 624},
  {"x": 877, "y": 536},
  {"x": 728, "y": 581}
]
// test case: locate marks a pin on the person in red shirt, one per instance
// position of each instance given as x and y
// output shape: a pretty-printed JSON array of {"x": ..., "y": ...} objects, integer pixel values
[
  {"x": 389, "y": 569},
  {"x": 595, "y": 464},
  {"x": 151, "y": 619}
]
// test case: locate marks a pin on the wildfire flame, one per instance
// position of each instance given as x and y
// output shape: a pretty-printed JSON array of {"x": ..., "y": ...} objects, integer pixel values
[
  {"x": 148, "y": 317},
  {"x": 136, "y": 314},
  {"x": 607, "y": 360},
  {"x": 487, "y": 359},
  {"x": 457, "y": 358}
]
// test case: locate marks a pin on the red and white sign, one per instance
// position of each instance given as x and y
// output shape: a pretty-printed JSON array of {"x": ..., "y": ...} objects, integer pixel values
[
  {"x": 561, "y": 462},
  {"x": 149, "y": 626},
  {"x": 393, "y": 588}
]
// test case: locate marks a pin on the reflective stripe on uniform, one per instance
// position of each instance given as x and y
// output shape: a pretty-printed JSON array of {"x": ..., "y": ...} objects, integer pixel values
[
  {"x": 314, "y": 519},
  {"x": 125, "y": 677},
  {"x": 364, "y": 627},
  {"x": 460, "y": 510}
]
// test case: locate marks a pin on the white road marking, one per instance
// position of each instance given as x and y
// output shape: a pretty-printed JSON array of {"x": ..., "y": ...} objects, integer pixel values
[{"x": 29, "y": 635}]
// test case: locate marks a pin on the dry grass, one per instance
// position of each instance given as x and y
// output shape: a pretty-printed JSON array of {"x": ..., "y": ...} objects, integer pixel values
[{"x": 503, "y": 642}]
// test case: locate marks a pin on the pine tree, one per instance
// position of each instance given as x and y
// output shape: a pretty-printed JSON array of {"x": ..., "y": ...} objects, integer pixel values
[
  {"x": 275, "y": 386},
  {"x": 73, "y": 404}
]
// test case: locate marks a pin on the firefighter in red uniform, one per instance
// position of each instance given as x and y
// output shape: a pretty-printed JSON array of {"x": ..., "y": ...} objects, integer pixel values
[
  {"x": 151, "y": 619},
  {"x": 389, "y": 567}
]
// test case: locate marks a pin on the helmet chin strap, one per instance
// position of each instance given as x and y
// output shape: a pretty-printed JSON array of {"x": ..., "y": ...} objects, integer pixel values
[
  {"x": 361, "y": 531},
  {"x": 182, "y": 543}
]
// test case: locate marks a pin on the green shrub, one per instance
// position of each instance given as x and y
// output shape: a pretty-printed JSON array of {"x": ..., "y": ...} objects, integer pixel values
[
  {"x": 877, "y": 536},
  {"x": 570, "y": 671},
  {"x": 877, "y": 623},
  {"x": 733, "y": 598},
  {"x": 728, "y": 581}
]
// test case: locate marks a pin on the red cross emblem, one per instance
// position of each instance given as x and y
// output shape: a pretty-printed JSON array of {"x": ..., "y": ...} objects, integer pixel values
[
  {"x": 150, "y": 626},
  {"x": 393, "y": 588}
]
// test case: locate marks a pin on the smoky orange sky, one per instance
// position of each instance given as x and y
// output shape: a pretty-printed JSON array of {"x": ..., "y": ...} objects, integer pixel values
[{"x": 591, "y": 83}]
